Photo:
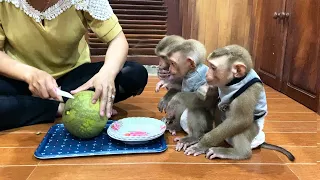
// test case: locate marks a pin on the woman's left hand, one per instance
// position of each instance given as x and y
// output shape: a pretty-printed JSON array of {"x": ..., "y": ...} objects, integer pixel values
[{"x": 104, "y": 90}]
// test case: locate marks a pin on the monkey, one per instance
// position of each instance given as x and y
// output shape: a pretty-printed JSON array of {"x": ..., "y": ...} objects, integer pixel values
[
  {"x": 173, "y": 85},
  {"x": 186, "y": 62},
  {"x": 242, "y": 104},
  {"x": 163, "y": 47},
  {"x": 198, "y": 117}
]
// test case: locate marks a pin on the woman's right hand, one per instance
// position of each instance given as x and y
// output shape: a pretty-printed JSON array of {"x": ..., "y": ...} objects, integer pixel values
[{"x": 42, "y": 84}]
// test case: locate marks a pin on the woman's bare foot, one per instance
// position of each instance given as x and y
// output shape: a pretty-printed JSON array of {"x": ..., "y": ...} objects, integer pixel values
[{"x": 60, "y": 109}]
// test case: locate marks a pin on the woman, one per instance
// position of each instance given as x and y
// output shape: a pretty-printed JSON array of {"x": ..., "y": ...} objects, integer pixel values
[{"x": 44, "y": 48}]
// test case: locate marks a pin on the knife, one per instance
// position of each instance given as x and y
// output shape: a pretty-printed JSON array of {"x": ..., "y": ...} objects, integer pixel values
[{"x": 64, "y": 93}]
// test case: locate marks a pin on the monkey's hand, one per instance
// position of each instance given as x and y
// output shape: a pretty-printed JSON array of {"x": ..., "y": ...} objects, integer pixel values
[
  {"x": 172, "y": 132},
  {"x": 162, "y": 105},
  {"x": 172, "y": 106},
  {"x": 168, "y": 107},
  {"x": 196, "y": 150},
  {"x": 172, "y": 127},
  {"x": 160, "y": 84},
  {"x": 165, "y": 120}
]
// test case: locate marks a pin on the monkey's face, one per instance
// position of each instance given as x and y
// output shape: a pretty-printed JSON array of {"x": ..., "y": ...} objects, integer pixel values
[
  {"x": 164, "y": 63},
  {"x": 219, "y": 73},
  {"x": 179, "y": 65}
]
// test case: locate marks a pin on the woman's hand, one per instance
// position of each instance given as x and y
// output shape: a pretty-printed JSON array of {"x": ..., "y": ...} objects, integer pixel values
[
  {"x": 104, "y": 90},
  {"x": 103, "y": 81},
  {"x": 42, "y": 84}
]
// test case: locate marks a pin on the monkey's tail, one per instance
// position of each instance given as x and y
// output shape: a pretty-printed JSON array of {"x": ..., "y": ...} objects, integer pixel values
[{"x": 279, "y": 149}]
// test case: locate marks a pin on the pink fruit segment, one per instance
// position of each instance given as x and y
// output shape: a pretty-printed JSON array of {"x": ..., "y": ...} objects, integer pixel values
[
  {"x": 136, "y": 133},
  {"x": 116, "y": 126}
]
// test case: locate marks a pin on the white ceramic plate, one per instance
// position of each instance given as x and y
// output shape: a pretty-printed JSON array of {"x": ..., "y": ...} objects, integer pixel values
[{"x": 136, "y": 129}]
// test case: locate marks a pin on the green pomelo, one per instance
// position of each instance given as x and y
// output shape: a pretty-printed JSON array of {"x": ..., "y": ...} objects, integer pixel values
[{"x": 82, "y": 118}]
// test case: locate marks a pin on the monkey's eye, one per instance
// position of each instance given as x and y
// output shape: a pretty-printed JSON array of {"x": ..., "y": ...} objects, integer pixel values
[{"x": 213, "y": 68}]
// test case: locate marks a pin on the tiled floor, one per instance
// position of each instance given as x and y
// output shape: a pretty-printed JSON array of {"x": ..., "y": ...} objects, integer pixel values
[{"x": 288, "y": 124}]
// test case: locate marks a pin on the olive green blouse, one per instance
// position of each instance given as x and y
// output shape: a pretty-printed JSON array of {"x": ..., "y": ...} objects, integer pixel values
[{"x": 58, "y": 45}]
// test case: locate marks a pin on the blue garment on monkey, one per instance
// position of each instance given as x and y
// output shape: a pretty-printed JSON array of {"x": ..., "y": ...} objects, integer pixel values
[
  {"x": 193, "y": 80},
  {"x": 233, "y": 90},
  {"x": 190, "y": 83}
]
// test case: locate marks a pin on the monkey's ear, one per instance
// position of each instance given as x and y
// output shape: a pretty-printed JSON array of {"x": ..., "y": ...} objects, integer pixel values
[
  {"x": 239, "y": 69},
  {"x": 192, "y": 63}
]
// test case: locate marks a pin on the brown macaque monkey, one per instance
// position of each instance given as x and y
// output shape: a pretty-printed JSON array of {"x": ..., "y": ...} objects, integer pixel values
[
  {"x": 198, "y": 117},
  {"x": 186, "y": 63},
  {"x": 243, "y": 104},
  {"x": 164, "y": 46},
  {"x": 186, "y": 60},
  {"x": 172, "y": 84}
]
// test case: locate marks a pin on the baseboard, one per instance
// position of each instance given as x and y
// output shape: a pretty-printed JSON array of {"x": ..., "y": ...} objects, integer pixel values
[{"x": 152, "y": 69}]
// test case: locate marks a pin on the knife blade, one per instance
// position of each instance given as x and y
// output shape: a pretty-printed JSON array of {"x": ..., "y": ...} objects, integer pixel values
[{"x": 64, "y": 93}]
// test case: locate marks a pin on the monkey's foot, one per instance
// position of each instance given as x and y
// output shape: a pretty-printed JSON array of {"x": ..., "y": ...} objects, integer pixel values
[
  {"x": 185, "y": 142},
  {"x": 215, "y": 152},
  {"x": 195, "y": 150},
  {"x": 182, "y": 146}
]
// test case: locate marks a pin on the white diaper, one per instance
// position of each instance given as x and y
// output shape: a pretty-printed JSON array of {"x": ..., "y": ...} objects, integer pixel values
[
  {"x": 261, "y": 137},
  {"x": 184, "y": 121},
  {"x": 258, "y": 140}
]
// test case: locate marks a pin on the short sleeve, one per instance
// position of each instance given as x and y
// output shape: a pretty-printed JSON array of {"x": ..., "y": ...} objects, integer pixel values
[
  {"x": 101, "y": 19},
  {"x": 106, "y": 30},
  {"x": 2, "y": 37}
]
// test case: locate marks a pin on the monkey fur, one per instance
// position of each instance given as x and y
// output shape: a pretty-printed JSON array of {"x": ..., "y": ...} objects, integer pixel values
[
  {"x": 172, "y": 84},
  {"x": 187, "y": 65},
  {"x": 238, "y": 125},
  {"x": 197, "y": 115},
  {"x": 162, "y": 49}
]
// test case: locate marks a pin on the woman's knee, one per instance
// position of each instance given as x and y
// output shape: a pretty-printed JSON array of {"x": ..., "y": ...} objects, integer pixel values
[{"x": 137, "y": 74}]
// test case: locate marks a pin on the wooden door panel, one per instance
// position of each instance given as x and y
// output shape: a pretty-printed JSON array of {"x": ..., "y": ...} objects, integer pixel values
[
  {"x": 269, "y": 42},
  {"x": 301, "y": 58}
]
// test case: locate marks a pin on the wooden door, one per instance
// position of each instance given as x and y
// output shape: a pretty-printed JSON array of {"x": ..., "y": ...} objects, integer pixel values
[
  {"x": 269, "y": 42},
  {"x": 301, "y": 52},
  {"x": 145, "y": 23}
]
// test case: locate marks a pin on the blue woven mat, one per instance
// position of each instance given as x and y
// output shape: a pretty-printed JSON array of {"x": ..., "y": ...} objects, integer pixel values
[{"x": 59, "y": 143}]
